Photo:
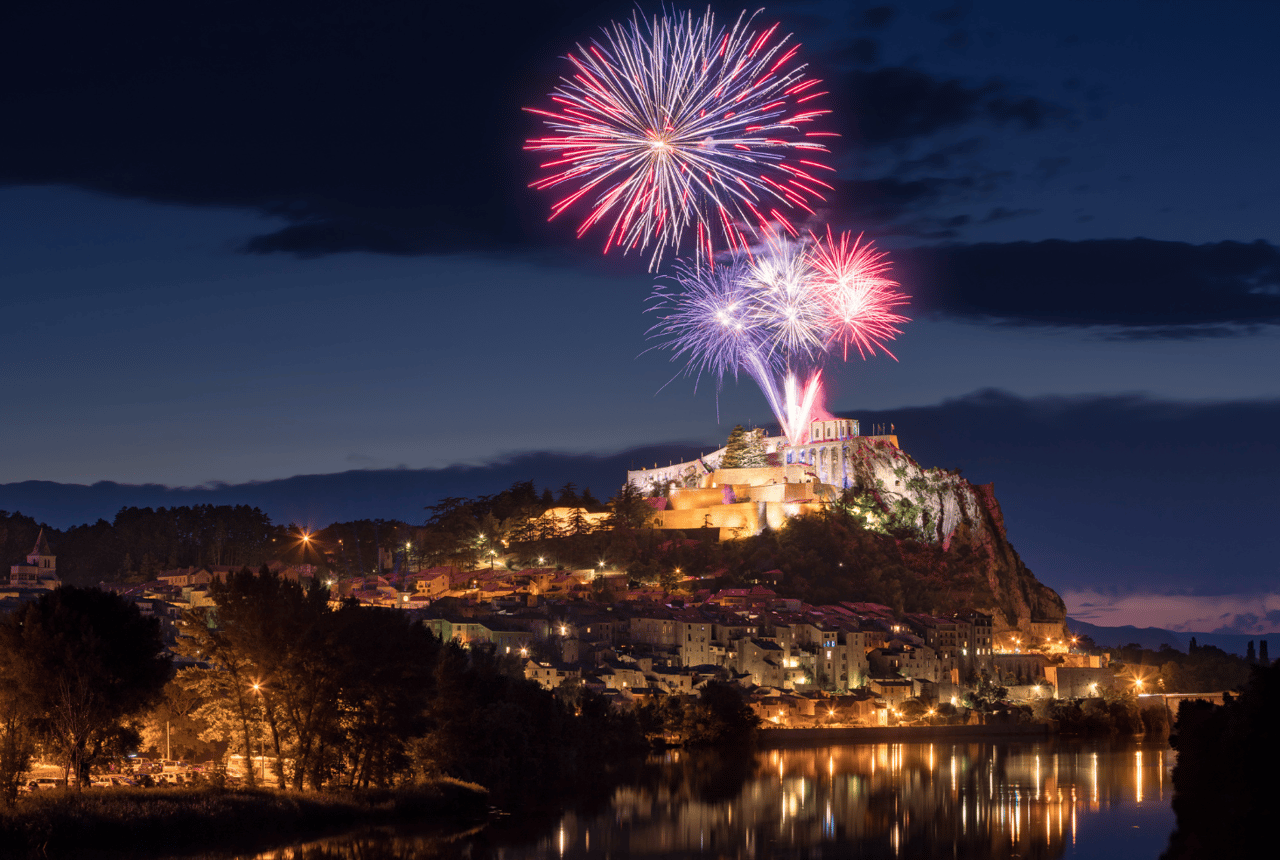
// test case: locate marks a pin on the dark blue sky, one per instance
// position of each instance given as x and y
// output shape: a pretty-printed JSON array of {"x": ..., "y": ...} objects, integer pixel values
[{"x": 246, "y": 241}]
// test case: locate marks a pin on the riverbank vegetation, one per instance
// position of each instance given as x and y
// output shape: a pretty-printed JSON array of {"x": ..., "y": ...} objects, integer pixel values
[
  {"x": 68, "y": 823},
  {"x": 360, "y": 697},
  {"x": 1224, "y": 784}
]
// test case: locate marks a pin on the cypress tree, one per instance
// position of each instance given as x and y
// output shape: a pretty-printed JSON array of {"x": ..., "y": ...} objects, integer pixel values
[{"x": 735, "y": 449}]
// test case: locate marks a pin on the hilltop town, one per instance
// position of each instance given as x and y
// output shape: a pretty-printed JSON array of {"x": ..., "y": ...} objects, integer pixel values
[{"x": 631, "y": 635}]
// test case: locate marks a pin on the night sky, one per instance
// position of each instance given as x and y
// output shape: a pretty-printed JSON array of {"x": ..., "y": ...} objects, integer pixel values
[{"x": 242, "y": 243}]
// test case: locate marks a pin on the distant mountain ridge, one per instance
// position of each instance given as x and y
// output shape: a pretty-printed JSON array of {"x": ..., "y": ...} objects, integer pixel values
[
  {"x": 1154, "y": 637},
  {"x": 317, "y": 500}
]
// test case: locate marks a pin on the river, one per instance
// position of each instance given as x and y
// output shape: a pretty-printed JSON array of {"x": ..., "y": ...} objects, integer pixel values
[{"x": 1047, "y": 798}]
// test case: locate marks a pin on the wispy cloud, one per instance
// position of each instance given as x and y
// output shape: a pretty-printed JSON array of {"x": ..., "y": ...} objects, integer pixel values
[{"x": 1187, "y": 613}]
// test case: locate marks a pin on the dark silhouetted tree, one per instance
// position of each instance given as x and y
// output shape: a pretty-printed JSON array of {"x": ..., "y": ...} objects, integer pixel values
[{"x": 85, "y": 661}]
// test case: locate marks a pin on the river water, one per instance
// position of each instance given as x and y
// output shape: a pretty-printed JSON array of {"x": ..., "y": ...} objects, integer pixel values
[{"x": 991, "y": 799}]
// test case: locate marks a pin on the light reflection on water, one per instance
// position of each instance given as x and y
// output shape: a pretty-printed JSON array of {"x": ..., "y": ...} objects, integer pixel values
[{"x": 1043, "y": 799}]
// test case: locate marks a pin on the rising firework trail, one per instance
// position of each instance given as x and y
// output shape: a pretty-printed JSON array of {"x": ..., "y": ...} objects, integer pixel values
[
  {"x": 776, "y": 313},
  {"x": 672, "y": 129}
]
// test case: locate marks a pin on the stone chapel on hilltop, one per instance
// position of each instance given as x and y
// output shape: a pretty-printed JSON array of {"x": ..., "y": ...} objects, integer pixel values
[{"x": 41, "y": 569}]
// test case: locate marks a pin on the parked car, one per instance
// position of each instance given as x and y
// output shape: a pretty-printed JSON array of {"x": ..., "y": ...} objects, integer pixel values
[{"x": 46, "y": 783}]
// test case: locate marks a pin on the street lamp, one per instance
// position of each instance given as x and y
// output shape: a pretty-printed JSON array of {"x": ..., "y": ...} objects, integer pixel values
[{"x": 257, "y": 688}]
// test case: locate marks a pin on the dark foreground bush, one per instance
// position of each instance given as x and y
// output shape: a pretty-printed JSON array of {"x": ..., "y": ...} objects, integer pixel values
[
  {"x": 67, "y": 823},
  {"x": 1225, "y": 791}
]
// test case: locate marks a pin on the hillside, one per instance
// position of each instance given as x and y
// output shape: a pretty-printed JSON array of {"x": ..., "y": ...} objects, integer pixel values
[{"x": 919, "y": 540}]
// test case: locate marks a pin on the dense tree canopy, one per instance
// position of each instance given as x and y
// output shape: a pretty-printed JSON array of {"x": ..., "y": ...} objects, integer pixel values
[
  {"x": 1225, "y": 789},
  {"x": 363, "y": 696},
  {"x": 141, "y": 542},
  {"x": 79, "y": 662}
]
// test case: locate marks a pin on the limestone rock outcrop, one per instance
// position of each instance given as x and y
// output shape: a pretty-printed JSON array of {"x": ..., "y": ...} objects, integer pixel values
[{"x": 942, "y": 508}]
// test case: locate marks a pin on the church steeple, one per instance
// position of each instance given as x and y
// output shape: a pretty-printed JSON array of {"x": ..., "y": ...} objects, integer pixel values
[{"x": 41, "y": 556}]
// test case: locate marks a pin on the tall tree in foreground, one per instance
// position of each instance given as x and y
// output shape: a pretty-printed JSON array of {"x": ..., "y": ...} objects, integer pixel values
[
  {"x": 16, "y": 739},
  {"x": 266, "y": 643},
  {"x": 83, "y": 661}
]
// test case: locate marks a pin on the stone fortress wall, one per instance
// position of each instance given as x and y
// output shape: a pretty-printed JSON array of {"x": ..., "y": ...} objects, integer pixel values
[{"x": 741, "y": 502}]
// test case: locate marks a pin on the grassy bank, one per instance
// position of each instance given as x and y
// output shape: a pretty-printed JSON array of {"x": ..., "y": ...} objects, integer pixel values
[{"x": 154, "y": 821}]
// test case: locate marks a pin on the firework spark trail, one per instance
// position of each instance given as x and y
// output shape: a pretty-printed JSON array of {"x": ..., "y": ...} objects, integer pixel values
[
  {"x": 674, "y": 124},
  {"x": 787, "y": 307},
  {"x": 710, "y": 320},
  {"x": 858, "y": 296},
  {"x": 776, "y": 313}
]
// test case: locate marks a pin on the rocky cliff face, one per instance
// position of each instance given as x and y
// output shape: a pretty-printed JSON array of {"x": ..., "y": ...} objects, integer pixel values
[{"x": 942, "y": 509}]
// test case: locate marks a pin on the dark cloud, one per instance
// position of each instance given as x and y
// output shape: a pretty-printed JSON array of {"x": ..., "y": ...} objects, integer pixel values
[
  {"x": 903, "y": 207},
  {"x": 952, "y": 14},
  {"x": 1030, "y": 113},
  {"x": 1000, "y": 213},
  {"x": 1141, "y": 286},
  {"x": 392, "y": 127},
  {"x": 943, "y": 158},
  {"x": 864, "y": 52},
  {"x": 1051, "y": 166},
  {"x": 956, "y": 40},
  {"x": 896, "y": 104},
  {"x": 1249, "y": 623},
  {"x": 877, "y": 16}
]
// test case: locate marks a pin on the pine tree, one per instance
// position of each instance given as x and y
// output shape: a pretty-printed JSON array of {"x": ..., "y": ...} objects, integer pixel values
[{"x": 568, "y": 497}]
